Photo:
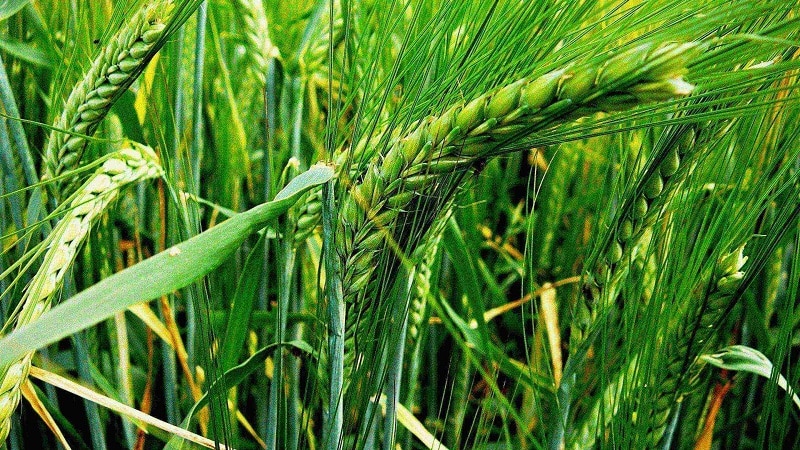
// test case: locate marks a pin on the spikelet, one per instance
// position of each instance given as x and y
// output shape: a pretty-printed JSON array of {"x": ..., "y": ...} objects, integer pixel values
[{"x": 310, "y": 212}]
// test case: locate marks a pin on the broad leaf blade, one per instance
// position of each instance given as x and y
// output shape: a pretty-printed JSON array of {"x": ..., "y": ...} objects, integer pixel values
[
  {"x": 162, "y": 274},
  {"x": 10, "y": 7},
  {"x": 26, "y": 52}
]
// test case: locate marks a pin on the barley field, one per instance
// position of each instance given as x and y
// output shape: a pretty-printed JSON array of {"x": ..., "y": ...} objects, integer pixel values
[{"x": 400, "y": 224}]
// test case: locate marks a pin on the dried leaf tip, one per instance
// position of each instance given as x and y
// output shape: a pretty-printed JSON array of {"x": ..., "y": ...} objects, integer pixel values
[{"x": 327, "y": 163}]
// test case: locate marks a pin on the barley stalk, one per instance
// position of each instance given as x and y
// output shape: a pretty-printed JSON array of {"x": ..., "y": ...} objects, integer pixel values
[
  {"x": 112, "y": 72},
  {"x": 133, "y": 163},
  {"x": 422, "y": 289},
  {"x": 418, "y": 305}
]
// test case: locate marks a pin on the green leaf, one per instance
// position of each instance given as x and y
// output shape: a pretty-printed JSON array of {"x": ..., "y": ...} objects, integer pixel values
[
  {"x": 242, "y": 307},
  {"x": 26, "y": 52},
  {"x": 162, "y": 274},
  {"x": 742, "y": 358},
  {"x": 468, "y": 277},
  {"x": 237, "y": 374},
  {"x": 10, "y": 7},
  {"x": 232, "y": 377}
]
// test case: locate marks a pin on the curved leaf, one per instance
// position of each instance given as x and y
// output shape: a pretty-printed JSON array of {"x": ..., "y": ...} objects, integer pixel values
[
  {"x": 232, "y": 377},
  {"x": 162, "y": 274},
  {"x": 742, "y": 358},
  {"x": 10, "y": 7}
]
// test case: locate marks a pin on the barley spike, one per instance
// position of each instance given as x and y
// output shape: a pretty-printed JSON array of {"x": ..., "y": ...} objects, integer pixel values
[
  {"x": 468, "y": 133},
  {"x": 256, "y": 32},
  {"x": 691, "y": 334},
  {"x": 133, "y": 163},
  {"x": 694, "y": 334},
  {"x": 637, "y": 216},
  {"x": 112, "y": 72}
]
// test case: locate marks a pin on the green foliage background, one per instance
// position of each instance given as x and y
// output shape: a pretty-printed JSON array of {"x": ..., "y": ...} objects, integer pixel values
[{"x": 513, "y": 323}]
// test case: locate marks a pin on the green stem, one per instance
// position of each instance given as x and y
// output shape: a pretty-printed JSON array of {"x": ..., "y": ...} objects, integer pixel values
[
  {"x": 333, "y": 433},
  {"x": 82, "y": 361},
  {"x": 17, "y": 132},
  {"x": 271, "y": 111},
  {"x": 276, "y": 434},
  {"x": 395, "y": 352}
]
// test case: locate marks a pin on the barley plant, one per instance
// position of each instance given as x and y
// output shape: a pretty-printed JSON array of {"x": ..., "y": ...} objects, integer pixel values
[{"x": 336, "y": 224}]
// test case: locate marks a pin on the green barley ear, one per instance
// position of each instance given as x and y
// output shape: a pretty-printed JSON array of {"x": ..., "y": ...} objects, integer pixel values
[
  {"x": 133, "y": 163},
  {"x": 439, "y": 151},
  {"x": 524, "y": 107},
  {"x": 673, "y": 160},
  {"x": 256, "y": 32},
  {"x": 112, "y": 72},
  {"x": 387, "y": 212},
  {"x": 694, "y": 332}
]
